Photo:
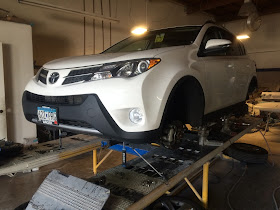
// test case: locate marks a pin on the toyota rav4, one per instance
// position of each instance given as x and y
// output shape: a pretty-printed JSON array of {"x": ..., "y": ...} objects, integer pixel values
[{"x": 145, "y": 87}]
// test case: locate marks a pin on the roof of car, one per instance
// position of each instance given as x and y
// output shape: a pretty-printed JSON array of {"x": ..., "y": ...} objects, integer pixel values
[
  {"x": 207, "y": 22},
  {"x": 175, "y": 27}
]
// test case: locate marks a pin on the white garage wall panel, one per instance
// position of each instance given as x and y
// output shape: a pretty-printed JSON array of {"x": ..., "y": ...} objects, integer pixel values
[
  {"x": 3, "y": 122},
  {"x": 18, "y": 69},
  {"x": 57, "y": 34}
]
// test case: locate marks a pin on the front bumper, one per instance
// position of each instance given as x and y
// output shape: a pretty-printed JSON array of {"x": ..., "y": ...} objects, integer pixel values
[{"x": 82, "y": 114}]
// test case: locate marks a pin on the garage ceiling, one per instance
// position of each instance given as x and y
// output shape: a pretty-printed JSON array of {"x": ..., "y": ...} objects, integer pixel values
[{"x": 227, "y": 10}]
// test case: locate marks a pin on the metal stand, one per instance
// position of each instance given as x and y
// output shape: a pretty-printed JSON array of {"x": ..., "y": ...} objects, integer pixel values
[
  {"x": 265, "y": 130},
  {"x": 205, "y": 180},
  {"x": 160, "y": 174},
  {"x": 96, "y": 164},
  {"x": 60, "y": 139},
  {"x": 267, "y": 123},
  {"x": 124, "y": 156},
  {"x": 226, "y": 128},
  {"x": 203, "y": 133}
]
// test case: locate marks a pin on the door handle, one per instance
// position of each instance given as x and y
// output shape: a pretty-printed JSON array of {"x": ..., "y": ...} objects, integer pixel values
[
  {"x": 230, "y": 66},
  {"x": 1, "y": 111}
]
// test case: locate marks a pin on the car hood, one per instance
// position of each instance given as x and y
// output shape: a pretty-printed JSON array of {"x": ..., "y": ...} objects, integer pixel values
[{"x": 89, "y": 60}]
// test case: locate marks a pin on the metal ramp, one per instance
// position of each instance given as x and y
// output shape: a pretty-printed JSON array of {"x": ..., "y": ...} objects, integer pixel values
[
  {"x": 42, "y": 154},
  {"x": 60, "y": 191}
]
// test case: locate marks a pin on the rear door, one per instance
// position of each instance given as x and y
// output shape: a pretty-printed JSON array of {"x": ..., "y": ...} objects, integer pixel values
[
  {"x": 3, "y": 123},
  {"x": 240, "y": 64}
]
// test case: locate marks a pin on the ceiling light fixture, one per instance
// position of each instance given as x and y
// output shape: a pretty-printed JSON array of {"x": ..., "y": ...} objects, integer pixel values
[
  {"x": 240, "y": 37},
  {"x": 139, "y": 30},
  {"x": 247, "y": 8}
]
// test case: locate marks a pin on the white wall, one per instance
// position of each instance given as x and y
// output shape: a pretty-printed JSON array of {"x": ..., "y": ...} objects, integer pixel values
[
  {"x": 3, "y": 120},
  {"x": 57, "y": 34},
  {"x": 263, "y": 47},
  {"x": 18, "y": 69}
]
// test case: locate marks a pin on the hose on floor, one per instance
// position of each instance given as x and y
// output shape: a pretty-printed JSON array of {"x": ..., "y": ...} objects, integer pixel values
[
  {"x": 235, "y": 184},
  {"x": 274, "y": 199}
]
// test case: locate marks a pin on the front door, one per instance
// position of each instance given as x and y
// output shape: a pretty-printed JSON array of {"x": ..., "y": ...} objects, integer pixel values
[
  {"x": 219, "y": 74},
  {"x": 3, "y": 123}
]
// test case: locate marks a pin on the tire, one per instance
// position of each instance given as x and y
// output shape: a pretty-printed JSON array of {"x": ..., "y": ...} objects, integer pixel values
[
  {"x": 247, "y": 153},
  {"x": 174, "y": 202}
]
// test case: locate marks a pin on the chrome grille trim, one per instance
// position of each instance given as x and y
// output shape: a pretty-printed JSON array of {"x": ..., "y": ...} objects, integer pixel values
[
  {"x": 80, "y": 75},
  {"x": 43, "y": 76}
]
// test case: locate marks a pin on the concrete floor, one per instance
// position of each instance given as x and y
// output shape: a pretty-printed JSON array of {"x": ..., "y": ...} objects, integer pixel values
[{"x": 254, "y": 190}]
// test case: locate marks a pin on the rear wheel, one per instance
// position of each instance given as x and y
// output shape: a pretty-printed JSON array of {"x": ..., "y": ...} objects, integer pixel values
[
  {"x": 242, "y": 108},
  {"x": 252, "y": 90}
]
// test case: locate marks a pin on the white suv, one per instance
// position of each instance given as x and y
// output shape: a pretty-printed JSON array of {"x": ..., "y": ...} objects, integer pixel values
[{"x": 146, "y": 87}]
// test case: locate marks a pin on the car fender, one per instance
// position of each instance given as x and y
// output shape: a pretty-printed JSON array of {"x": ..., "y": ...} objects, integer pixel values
[{"x": 167, "y": 75}]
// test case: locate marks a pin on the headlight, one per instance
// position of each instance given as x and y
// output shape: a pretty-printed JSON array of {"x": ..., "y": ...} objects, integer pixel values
[
  {"x": 125, "y": 69},
  {"x": 101, "y": 75}
]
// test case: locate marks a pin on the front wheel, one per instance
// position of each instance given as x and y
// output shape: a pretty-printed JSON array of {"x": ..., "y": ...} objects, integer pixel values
[{"x": 173, "y": 134}]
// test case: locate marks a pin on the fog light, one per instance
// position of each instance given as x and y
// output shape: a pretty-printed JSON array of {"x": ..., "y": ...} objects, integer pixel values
[{"x": 136, "y": 116}]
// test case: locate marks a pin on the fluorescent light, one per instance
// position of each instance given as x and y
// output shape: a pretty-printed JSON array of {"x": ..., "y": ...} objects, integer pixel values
[
  {"x": 139, "y": 30},
  {"x": 245, "y": 36}
]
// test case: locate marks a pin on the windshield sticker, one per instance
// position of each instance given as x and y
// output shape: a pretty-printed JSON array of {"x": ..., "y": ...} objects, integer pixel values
[{"x": 159, "y": 37}]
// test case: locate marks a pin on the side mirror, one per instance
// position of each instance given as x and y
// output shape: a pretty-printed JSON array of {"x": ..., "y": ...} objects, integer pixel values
[{"x": 217, "y": 44}]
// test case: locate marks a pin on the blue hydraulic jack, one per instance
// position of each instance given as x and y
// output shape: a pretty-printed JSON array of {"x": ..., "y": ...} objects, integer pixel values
[{"x": 117, "y": 147}]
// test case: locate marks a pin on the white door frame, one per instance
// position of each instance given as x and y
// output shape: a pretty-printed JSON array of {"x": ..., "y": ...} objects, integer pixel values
[{"x": 3, "y": 121}]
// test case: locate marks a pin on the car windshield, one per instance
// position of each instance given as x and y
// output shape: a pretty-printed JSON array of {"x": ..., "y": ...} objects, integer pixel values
[{"x": 157, "y": 39}]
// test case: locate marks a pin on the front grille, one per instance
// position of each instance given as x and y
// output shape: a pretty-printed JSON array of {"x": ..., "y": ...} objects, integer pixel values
[
  {"x": 80, "y": 75},
  {"x": 57, "y": 100},
  {"x": 81, "y": 78},
  {"x": 43, "y": 76}
]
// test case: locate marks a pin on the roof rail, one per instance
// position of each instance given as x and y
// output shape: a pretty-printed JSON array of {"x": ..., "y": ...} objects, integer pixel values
[{"x": 209, "y": 21}]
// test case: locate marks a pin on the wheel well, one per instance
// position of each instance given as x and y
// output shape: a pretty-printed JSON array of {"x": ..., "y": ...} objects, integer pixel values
[
  {"x": 253, "y": 85},
  {"x": 186, "y": 102}
]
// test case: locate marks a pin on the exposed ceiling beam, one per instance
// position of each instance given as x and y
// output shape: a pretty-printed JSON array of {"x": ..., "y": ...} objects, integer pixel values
[
  {"x": 227, "y": 10},
  {"x": 274, "y": 8},
  {"x": 203, "y": 5}
]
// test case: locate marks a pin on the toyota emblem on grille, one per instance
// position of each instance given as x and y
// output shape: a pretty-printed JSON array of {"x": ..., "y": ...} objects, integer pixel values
[{"x": 54, "y": 77}]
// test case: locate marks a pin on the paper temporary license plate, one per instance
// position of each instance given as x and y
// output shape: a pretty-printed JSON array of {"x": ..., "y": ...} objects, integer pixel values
[{"x": 47, "y": 115}]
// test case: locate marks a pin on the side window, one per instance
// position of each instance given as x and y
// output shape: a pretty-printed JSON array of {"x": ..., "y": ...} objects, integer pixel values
[
  {"x": 235, "y": 48},
  {"x": 243, "y": 48},
  {"x": 211, "y": 33}
]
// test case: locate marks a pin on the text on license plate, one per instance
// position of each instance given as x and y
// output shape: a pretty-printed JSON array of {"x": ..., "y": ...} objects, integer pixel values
[{"x": 47, "y": 115}]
